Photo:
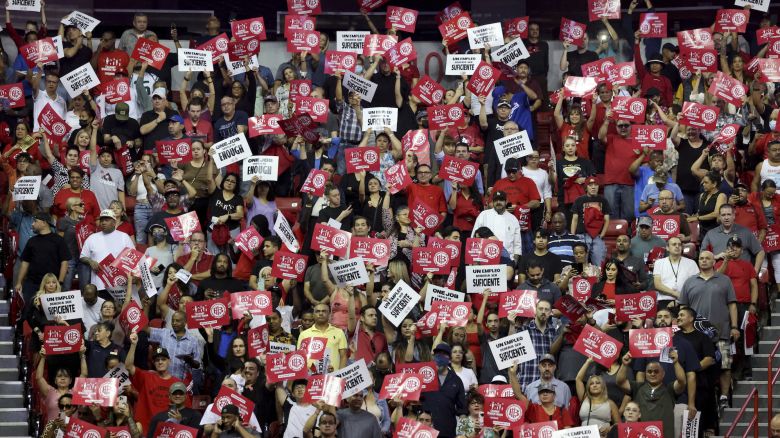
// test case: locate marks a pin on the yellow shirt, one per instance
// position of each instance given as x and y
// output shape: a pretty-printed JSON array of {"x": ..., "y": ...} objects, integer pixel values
[{"x": 336, "y": 341}]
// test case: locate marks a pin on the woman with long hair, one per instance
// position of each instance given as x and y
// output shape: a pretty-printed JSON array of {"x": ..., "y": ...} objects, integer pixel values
[
  {"x": 282, "y": 92},
  {"x": 708, "y": 204},
  {"x": 574, "y": 126},
  {"x": 122, "y": 415},
  {"x": 59, "y": 168},
  {"x": 406, "y": 348},
  {"x": 374, "y": 204},
  {"x": 63, "y": 381},
  {"x": 596, "y": 408},
  {"x": 233, "y": 359},
  {"x": 199, "y": 173},
  {"x": 141, "y": 186},
  {"x": 403, "y": 237},
  {"x": 227, "y": 206},
  {"x": 122, "y": 222},
  {"x": 767, "y": 206},
  {"x": 571, "y": 164},
  {"x": 24, "y": 141},
  {"x": 613, "y": 282},
  {"x": 463, "y": 369},
  {"x": 260, "y": 199},
  {"x": 466, "y": 204}
]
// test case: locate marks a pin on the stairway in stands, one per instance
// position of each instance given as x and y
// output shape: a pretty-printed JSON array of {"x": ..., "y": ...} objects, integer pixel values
[
  {"x": 14, "y": 416},
  {"x": 768, "y": 337}
]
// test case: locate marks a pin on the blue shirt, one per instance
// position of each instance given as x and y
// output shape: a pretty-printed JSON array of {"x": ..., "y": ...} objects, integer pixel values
[
  {"x": 22, "y": 223},
  {"x": 651, "y": 191},
  {"x": 186, "y": 345}
]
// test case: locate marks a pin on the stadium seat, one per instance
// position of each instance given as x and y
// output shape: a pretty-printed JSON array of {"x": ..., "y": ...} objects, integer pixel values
[
  {"x": 689, "y": 250},
  {"x": 290, "y": 207},
  {"x": 615, "y": 228},
  {"x": 694, "y": 226}
]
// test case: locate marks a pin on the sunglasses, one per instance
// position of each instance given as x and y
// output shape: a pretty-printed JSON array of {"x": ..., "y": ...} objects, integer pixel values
[{"x": 68, "y": 406}]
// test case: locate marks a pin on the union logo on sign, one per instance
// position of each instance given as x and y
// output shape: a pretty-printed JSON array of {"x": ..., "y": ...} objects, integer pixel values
[
  {"x": 92, "y": 433},
  {"x": 158, "y": 54},
  {"x": 222, "y": 44},
  {"x": 637, "y": 108},
  {"x": 256, "y": 27},
  {"x": 608, "y": 349},
  {"x": 514, "y": 412},
  {"x": 297, "y": 362},
  {"x": 657, "y": 135},
  {"x": 58, "y": 129},
  {"x": 437, "y": 95},
  {"x": 626, "y": 72},
  {"x": 218, "y": 310},
  {"x": 738, "y": 90},
  {"x": 72, "y": 336},
  {"x": 133, "y": 315},
  {"x": 405, "y": 49},
  {"x": 522, "y": 26},
  {"x": 319, "y": 108},
  {"x": 669, "y": 225},
  {"x": 300, "y": 265},
  {"x": 407, "y": 18},
  {"x": 15, "y": 93},
  {"x": 709, "y": 116},
  {"x": 253, "y": 242},
  {"x": 106, "y": 388},
  {"x": 182, "y": 148},
  {"x": 379, "y": 250},
  {"x": 318, "y": 180},
  {"x": 339, "y": 241},
  {"x": 464, "y": 22},
  {"x": 576, "y": 32},
  {"x": 646, "y": 303},
  {"x": 370, "y": 157},
  {"x": 708, "y": 59},
  {"x": 428, "y": 374},
  {"x": 431, "y": 221},
  {"x": 661, "y": 339},
  {"x": 262, "y": 301},
  {"x": 347, "y": 61},
  {"x": 252, "y": 45},
  {"x": 738, "y": 19},
  {"x": 468, "y": 171},
  {"x": 412, "y": 384},
  {"x": 546, "y": 432},
  {"x": 492, "y": 250},
  {"x": 485, "y": 72},
  {"x": 582, "y": 285},
  {"x": 455, "y": 113}
]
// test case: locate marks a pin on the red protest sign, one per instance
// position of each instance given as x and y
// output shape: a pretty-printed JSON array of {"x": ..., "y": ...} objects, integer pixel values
[
  {"x": 210, "y": 313},
  {"x": 571, "y": 307},
  {"x": 317, "y": 108},
  {"x": 433, "y": 260},
  {"x": 701, "y": 59},
  {"x": 640, "y": 305},
  {"x": 425, "y": 216},
  {"x": 218, "y": 46},
  {"x": 255, "y": 302},
  {"x": 101, "y": 391},
  {"x": 299, "y": 88},
  {"x": 289, "y": 265},
  {"x": 767, "y": 34},
  {"x": 127, "y": 260},
  {"x": 59, "y": 339},
  {"x": 401, "y": 53},
  {"x": 517, "y": 27},
  {"x": 537, "y": 430},
  {"x": 666, "y": 225},
  {"x": 408, "y": 428},
  {"x": 484, "y": 79},
  {"x": 326, "y": 388},
  {"x": 700, "y": 116},
  {"x": 598, "y": 70},
  {"x": 376, "y": 251},
  {"x": 598, "y": 9},
  {"x": 397, "y": 178},
  {"x": 484, "y": 251},
  {"x": 641, "y": 429},
  {"x": 449, "y": 12},
  {"x": 376, "y": 44},
  {"x": 772, "y": 239},
  {"x": 330, "y": 239},
  {"x": 174, "y": 150},
  {"x": 492, "y": 390},
  {"x": 41, "y": 51},
  {"x": 426, "y": 370},
  {"x": 54, "y": 125},
  {"x": 402, "y": 19},
  {"x": 727, "y": 88},
  {"x": 521, "y": 302},
  {"x": 458, "y": 171},
  {"x": 133, "y": 318},
  {"x": 727, "y": 134},
  {"x": 84, "y": 229},
  {"x": 685, "y": 72},
  {"x": 629, "y": 108},
  {"x": 732, "y": 20},
  {"x": 257, "y": 341},
  {"x": 597, "y": 345},
  {"x": 406, "y": 385},
  {"x": 251, "y": 28},
  {"x": 294, "y": 22},
  {"x": 227, "y": 396},
  {"x": 314, "y": 347},
  {"x": 242, "y": 48},
  {"x": 150, "y": 52},
  {"x": 695, "y": 39},
  {"x": 653, "y": 24},
  {"x": 167, "y": 429},
  {"x": 286, "y": 366},
  {"x": 315, "y": 182},
  {"x": 13, "y": 94},
  {"x": 308, "y": 7},
  {"x": 452, "y": 247},
  {"x": 576, "y": 86},
  {"x": 248, "y": 241},
  {"x": 648, "y": 136},
  {"x": 119, "y": 432},
  {"x": 370, "y": 5},
  {"x": 266, "y": 124},
  {"x": 428, "y": 91},
  {"x": 182, "y": 226},
  {"x": 572, "y": 32},
  {"x": 769, "y": 68},
  {"x": 117, "y": 90},
  {"x": 445, "y": 116},
  {"x": 582, "y": 287},
  {"x": 109, "y": 275},
  {"x": 339, "y": 62},
  {"x": 649, "y": 342},
  {"x": 455, "y": 29},
  {"x": 506, "y": 412},
  {"x": 362, "y": 158},
  {"x": 304, "y": 41},
  {"x": 82, "y": 429}
]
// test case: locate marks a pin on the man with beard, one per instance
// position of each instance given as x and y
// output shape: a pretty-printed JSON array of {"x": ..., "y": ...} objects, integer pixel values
[
  {"x": 536, "y": 280},
  {"x": 634, "y": 266},
  {"x": 689, "y": 361},
  {"x": 356, "y": 422},
  {"x": 544, "y": 337},
  {"x": 45, "y": 252},
  {"x": 494, "y": 332},
  {"x": 561, "y": 241},
  {"x": 667, "y": 206},
  {"x": 369, "y": 342},
  {"x": 450, "y": 400},
  {"x": 745, "y": 213},
  {"x": 99, "y": 245},
  {"x": 541, "y": 256},
  {"x": 220, "y": 281},
  {"x": 503, "y": 224},
  {"x": 197, "y": 127},
  {"x": 425, "y": 192},
  {"x": 547, "y": 366}
]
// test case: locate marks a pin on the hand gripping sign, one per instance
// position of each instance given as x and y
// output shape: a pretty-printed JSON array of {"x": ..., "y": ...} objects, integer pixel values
[
  {"x": 653, "y": 24},
  {"x": 333, "y": 240},
  {"x": 517, "y": 27},
  {"x": 254, "y": 302},
  {"x": 407, "y": 386},
  {"x": 150, "y": 52},
  {"x": 700, "y": 116},
  {"x": 572, "y": 32},
  {"x": 456, "y": 28},
  {"x": 62, "y": 339},
  {"x": 505, "y": 412},
  {"x": 402, "y": 19}
]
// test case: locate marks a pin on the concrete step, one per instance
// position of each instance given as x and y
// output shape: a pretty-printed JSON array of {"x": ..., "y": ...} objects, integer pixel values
[
  {"x": 770, "y": 332},
  {"x": 744, "y": 387},
  {"x": 6, "y": 348},
  {"x": 12, "y": 401},
  {"x": 730, "y": 414},
  {"x": 14, "y": 414},
  {"x": 9, "y": 374},
  {"x": 14, "y": 428},
  {"x": 11, "y": 388},
  {"x": 741, "y": 429},
  {"x": 9, "y": 361},
  {"x": 6, "y": 334}
]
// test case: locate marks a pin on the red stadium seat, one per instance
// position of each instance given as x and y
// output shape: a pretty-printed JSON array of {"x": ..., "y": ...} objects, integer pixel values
[
  {"x": 694, "y": 226},
  {"x": 615, "y": 228},
  {"x": 689, "y": 250},
  {"x": 289, "y": 207}
]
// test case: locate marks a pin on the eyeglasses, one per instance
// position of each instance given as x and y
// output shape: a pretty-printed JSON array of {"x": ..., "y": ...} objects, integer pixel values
[
  {"x": 623, "y": 126},
  {"x": 68, "y": 406},
  {"x": 80, "y": 204}
]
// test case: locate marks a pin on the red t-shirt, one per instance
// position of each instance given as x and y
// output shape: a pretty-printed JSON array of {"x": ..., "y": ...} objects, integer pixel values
[
  {"x": 91, "y": 206},
  {"x": 431, "y": 195},
  {"x": 152, "y": 394},
  {"x": 620, "y": 155},
  {"x": 204, "y": 265},
  {"x": 535, "y": 413},
  {"x": 747, "y": 216},
  {"x": 244, "y": 267},
  {"x": 518, "y": 192},
  {"x": 127, "y": 228},
  {"x": 201, "y": 130},
  {"x": 582, "y": 142},
  {"x": 465, "y": 213},
  {"x": 740, "y": 272}
]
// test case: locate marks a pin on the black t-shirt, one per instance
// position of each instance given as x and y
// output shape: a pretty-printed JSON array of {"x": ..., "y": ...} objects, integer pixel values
[
  {"x": 687, "y": 181},
  {"x": 565, "y": 169},
  {"x": 44, "y": 253},
  {"x": 704, "y": 347},
  {"x": 385, "y": 91},
  {"x": 159, "y": 132},
  {"x": 538, "y": 61},
  {"x": 577, "y": 60},
  {"x": 494, "y": 131},
  {"x": 588, "y": 201},
  {"x": 220, "y": 285},
  {"x": 220, "y": 207},
  {"x": 333, "y": 213},
  {"x": 82, "y": 56},
  {"x": 127, "y": 130},
  {"x": 550, "y": 262}
]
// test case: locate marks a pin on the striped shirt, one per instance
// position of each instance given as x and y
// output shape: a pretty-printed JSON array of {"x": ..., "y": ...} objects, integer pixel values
[
  {"x": 562, "y": 245},
  {"x": 186, "y": 345}
]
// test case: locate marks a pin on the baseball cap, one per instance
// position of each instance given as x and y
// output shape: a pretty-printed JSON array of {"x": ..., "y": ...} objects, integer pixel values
[
  {"x": 230, "y": 409},
  {"x": 159, "y": 92},
  {"x": 122, "y": 111},
  {"x": 443, "y": 348},
  {"x": 43, "y": 217},
  {"x": 107, "y": 213},
  {"x": 271, "y": 98},
  {"x": 176, "y": 118},
  {"x": 645, "y": 221},
  {"x": 160, "y": 351},
  {"x": 499, "y": 195},
  {"x": 548, "y": 357},
  {"x": 421, "y": 114},
  {"x": 512, "y": 164},
  {"x": 24, "y": 156},
  {"x": 544, "y": 386},
  {"x": 498, "y": 378},
  {"x": 591, "y": 180},
  {"x": 734, "y": 241},
  {"x": 153, "y": 226},
  {"x": 505, "y": 103},
  {"x": 170, "y": 190},
  {"x": 178, "y": 386},
  {"x": 670, "y": 46}
]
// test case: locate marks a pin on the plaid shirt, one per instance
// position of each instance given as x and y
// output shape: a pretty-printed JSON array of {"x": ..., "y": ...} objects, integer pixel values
[
  {"x": 187, "y": 344},
  {"x": 349, "y": 129},
  {"x": 527, "y": 372}
]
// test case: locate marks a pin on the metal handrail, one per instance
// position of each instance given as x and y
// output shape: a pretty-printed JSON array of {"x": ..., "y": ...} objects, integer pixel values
[
  {"x": 770, "y": 380},
  {"x": 753, "y": 420}
]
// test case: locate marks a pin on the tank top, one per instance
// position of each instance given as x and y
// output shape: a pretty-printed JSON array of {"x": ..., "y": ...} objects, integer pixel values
[
  {"x": 599, "y": 415},
  {"x": 688, "y": 155},
  {"x": 769, "y": 171}
]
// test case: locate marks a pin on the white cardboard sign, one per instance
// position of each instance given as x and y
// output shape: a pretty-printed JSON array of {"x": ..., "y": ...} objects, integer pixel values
[
  {"x": 399, "y": 303},
  {"x": 351, "y": 41},
  {"x": 23, "y": 5},
  {"x": 756, "y": 5},
  {"x": 80, "y": 79},
  {"x": 265, "y": 167},
  {"x": 490, "y": 34},
  {"x": 516, "y": 348},
  {"x": 231, "y": 150},
  {"x": 379, "y": 118},
  {"x": 359, "y": 85},
  {"x": 238, "y": 67},
  {"x": 356, "y": 376},
  {"x": 285, "y": 232},
  {"x": 436, "y": 293},
  {"x": 67, "y": 305},
  {"x": 591, "y": 431},
  {"x": 350, "y": 271},
  {"x": 461, "y": 64},
  {"x": 84, "y": 22},
  {"x": 516, "y": 145},
  {"x": 510, "y": 54},
  {"x": 481, "y": 277},
  {"x": 27, "y": 188},
  {"x": 195, "y": 60}
]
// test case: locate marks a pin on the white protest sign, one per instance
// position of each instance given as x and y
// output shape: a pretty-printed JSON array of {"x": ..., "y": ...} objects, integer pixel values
[
  {"x": 57, "y": 40},
  {"x": 147, "y": 281},
  {"x": 119, "y": 372},
  {"x": 510, "y": 54},
  {"x": 264, "y": 167},
  {"x": 238, "y": 67},
  {"x": 27, "y": 188},
  {"x": 591, "y": 431},
  {"x": 84, "y": 22},
  {"x": 195, "y": 60},
  {"x": 690, "y": 427},
  {"x": 351, "y": 41},
  {"x": 379, "y": 118},
  {"x": 458, "y": 65},
  {"x": 399, "y": 303},
  {"x": 230, "y": 150},
  {"x": 23, "y": 5},
  {"x": 285, "y": 232},
  {"x": 80, "y": 79},
  {"x": 756, "y": 5},
  {"x": 490, "y": 34},
  {"x": 436, "y": 293},
  {"x": 350, "y": 271},
  {"x": 356, "y": 378},
  {"x": 510, "y": 349},
  {"x": 279, "y": 347},
  {"x": 359, "y": 85},
  {"x": 184, "y": 275},
  {"x": 479, "y": 278},
  {"x": 516, "y": 145},
  {"x": 67, "y": 305}
]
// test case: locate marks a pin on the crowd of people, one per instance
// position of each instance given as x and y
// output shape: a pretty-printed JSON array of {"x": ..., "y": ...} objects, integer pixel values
[{"x": 698, "y": 215}]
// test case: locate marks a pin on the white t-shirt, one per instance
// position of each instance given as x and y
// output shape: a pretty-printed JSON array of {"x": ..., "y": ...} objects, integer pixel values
[
  {"x": 57, "y": 104},
  {"x": 211, "y": 418},
  {"x": 99, "y": 245},
  {"x": 673, "y": 275},
  {"x": 542, "y": 180},
  {"x": 91, "y": 313},
  {"x": 297, "y": 419},
  {"x": 468, "y": 377}
]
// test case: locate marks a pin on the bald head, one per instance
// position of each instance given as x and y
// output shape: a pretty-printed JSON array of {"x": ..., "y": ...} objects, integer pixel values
[{"x": 774, "y": 426}]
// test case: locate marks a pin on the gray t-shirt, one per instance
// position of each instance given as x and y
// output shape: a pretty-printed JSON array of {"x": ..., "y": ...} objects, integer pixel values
[
  {"x": 105, "y": 182},
  {"x": 360, "y": 424},
  {"x": 717, "y": 239},
  {"x": 640, "y": 248},
  {"x": 313, "y": 276},
  {"x": 710, "y": 299}
]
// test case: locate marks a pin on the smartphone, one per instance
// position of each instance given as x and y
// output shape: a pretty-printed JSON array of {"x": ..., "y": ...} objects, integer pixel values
[
  {"x": 509, "y": 205},
  {"x": 577, "y": 267},
  {"x": 123, "y": 399}
]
